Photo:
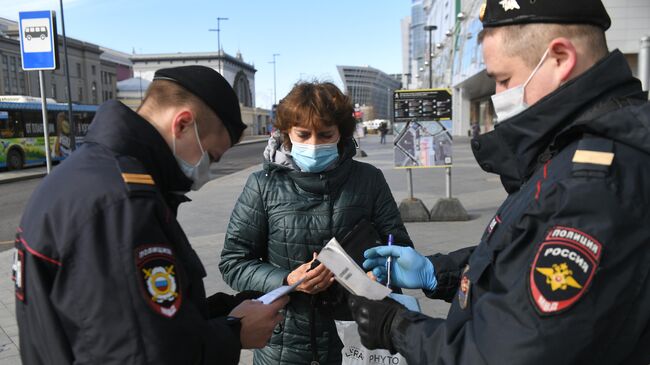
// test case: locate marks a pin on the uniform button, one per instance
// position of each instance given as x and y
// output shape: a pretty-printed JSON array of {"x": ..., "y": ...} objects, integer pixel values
[
  {"x": 487, "y": 167},
  {"x": 476, "y": 145}
]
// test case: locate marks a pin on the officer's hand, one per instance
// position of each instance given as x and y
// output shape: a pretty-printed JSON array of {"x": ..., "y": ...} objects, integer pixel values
[
  {"x": 258, "y": 321},
  {"x": 409, "y": 269},
  {"x": 375, "y": 318},
  {"x": 316, "y": 280},
  {"x": 220, "y": 304}
]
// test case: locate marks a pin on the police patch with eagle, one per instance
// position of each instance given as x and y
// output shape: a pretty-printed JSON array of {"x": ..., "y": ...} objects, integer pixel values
[
  {"x": 563, "y": 268},
  {"x": 156, "y": 268}
]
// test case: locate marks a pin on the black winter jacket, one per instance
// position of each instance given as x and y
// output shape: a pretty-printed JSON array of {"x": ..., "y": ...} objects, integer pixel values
[
  {"x": 561, "y": 275},
  {"x": 280, "y": 219},
  {"x": 104, "y": 273}
]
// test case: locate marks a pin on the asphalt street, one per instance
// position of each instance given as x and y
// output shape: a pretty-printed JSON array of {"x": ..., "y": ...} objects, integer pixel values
[{"x": 15, "y": 195}]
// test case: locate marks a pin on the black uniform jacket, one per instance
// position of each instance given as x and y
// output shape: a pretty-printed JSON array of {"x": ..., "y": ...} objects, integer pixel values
[
  {"x": 104, "y": 273},
  {"x": 562, "y": 273}
]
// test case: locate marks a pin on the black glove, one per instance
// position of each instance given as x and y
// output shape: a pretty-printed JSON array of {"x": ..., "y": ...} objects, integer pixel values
[
  {"x": 375, "y": 318},
  {"x": 220, "y": 304}
]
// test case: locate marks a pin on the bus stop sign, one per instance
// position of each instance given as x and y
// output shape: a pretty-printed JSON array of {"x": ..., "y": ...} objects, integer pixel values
[{"x": 38, "y": 40}]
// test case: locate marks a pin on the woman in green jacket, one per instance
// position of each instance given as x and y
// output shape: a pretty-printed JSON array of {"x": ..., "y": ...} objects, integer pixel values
[{"x": 309, "y": 191}]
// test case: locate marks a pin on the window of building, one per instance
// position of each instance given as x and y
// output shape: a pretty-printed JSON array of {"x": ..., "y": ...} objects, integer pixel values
[
  {"x": 78, "y": 69},
  {"x": 93, "y": 71},
  {"x": 5, "y": 72},
  {"x": 93, "y": 90},
  {"x": 80, "y": 97},
  {"x": 22, "y": 86},
  {"x": 53, "y": 90}
]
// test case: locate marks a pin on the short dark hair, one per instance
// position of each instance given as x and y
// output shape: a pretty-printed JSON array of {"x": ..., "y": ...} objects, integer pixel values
[
  {"x": 313, "y": 105},
  {"x": 529, "y": 41},
  {"x": 164, "y": 93}
]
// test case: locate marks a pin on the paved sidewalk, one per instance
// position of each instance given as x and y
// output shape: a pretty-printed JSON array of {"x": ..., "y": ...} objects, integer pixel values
[{"x": 205, "y": 220}]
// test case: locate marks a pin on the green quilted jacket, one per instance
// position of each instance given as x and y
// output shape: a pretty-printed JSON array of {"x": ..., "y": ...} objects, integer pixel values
[{"x": 281, "y": 218}]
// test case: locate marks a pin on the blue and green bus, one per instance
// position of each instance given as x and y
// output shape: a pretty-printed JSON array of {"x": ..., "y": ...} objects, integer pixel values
[{"x": 21, "y": 131}]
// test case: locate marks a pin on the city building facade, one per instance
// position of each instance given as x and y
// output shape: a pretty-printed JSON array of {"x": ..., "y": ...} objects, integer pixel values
[
  {"x": 367, "y": 86},
  {"x": 92, "y": 77},
  {"x": 457, "y": 59}
]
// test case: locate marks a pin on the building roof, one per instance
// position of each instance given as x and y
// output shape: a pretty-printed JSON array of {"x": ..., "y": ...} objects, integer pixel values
[
  {"x": 115, "y": 56},
  {"x": 133, "y": 84},
  {"x": 179, "y": 56}
]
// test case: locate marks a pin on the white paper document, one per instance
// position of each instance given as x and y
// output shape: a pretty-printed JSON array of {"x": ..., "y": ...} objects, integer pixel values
[
  {"x": 349, "y": 274},
  {"x": 276, "y": 293}
]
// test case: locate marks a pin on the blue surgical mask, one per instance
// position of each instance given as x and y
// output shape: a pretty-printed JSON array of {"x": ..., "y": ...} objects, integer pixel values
[
  {"x": 511, "y": 102},
  {"x": 200, "y": 172},
  {"x": 314, "y": 157}
]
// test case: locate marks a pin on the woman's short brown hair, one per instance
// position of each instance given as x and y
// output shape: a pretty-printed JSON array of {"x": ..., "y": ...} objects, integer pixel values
[{"x": 314, "y": 105}]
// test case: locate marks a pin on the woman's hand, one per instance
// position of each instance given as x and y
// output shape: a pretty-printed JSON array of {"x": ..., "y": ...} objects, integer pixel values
[{"x": 316, "y": 280}]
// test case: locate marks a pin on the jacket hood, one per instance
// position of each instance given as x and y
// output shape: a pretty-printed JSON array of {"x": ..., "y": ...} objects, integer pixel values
[{"x": 513, "y": 148}]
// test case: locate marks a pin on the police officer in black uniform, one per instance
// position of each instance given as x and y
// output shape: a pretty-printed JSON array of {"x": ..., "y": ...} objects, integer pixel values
[
  {"x": 104, "y": 274},
  {"x": 561, "y": 274}
]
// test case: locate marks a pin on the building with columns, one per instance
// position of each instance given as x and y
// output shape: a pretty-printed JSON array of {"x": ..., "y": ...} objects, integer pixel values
[{"x": 235, "y": 70}]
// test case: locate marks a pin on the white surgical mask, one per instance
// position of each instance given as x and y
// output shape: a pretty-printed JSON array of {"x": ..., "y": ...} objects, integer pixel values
[
  {"x": 511, "y": 102},
  {"x": 199, "y": 173}
]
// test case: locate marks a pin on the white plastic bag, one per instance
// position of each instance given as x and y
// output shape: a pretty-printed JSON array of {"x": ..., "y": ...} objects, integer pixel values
[{"x": 354, "y": 353}]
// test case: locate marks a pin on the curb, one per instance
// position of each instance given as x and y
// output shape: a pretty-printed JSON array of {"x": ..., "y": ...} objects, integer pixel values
[
  {"x": 29, "y": 176},
  {"x": 250, "y": 142}
]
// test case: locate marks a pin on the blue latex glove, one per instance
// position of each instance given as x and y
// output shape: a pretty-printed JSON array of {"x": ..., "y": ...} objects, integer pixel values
[{"x": 409, "y": 269}]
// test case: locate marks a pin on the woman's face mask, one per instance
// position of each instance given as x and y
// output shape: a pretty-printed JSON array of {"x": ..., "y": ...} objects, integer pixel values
[
  {"x": 314, "y": 150},
  {"x": 199, "y": 173},
  {"x": 512, "y": 102},
  {"x": 314, "y": 157}
]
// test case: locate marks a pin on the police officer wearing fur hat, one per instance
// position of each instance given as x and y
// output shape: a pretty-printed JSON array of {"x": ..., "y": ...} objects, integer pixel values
[
  {"x": 561, "y": 274},
  {"x": 103, "y": 272}
]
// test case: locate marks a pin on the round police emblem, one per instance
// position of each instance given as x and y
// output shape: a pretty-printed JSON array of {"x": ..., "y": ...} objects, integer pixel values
[
  {"x": 156, "y": 268},
  {"x": 563, "y": 268}
]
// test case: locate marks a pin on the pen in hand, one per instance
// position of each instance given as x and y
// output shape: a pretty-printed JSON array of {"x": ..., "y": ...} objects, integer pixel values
[{"x": 389, "y": 261}]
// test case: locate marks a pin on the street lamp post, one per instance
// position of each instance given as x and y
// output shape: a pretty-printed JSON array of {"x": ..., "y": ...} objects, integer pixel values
[
  {"x": 73, "y": 143},
  {"x": 218, "y": 30},
  {"x": 430, "y": 28},
  {"x": 275, "y": 99}
]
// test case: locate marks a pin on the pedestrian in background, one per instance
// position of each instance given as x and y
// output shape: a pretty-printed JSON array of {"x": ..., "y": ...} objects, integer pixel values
[
  {"x": 309, "y": 191},
  {"x": 104, "y": 273},
  {"x": 383, "y": 130},
  {"x": 561, "y": 274}
]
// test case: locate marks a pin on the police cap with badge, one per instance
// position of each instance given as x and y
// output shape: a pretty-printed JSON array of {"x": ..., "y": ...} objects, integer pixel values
[
  {"x": 209, "y": 86},
  {"x": 497, "y": 13}
]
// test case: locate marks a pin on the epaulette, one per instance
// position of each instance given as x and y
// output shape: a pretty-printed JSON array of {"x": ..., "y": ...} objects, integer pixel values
[
  {"x": 593, "y": 157},
  {"x": 135, "y": 176}
]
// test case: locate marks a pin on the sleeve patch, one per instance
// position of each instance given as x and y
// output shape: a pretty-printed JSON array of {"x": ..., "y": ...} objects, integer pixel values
[
  {"x": 563, "y": 268},
  {"x": 157, "y": 273}
]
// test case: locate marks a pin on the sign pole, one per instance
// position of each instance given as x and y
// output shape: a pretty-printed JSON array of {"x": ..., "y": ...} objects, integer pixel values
[
  {"x": 448, "y": 182},
  {"x": 409, "y": 182},
  {"x": 46, "y": 132}
]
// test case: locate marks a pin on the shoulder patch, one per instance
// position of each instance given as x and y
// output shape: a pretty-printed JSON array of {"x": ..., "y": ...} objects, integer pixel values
[
  {"x": 138, "y": 179},
  {"x": 594, "y": 156},
  {"x": 563, "y": 268},
  {"x": 135, "y": 175},
  {"x": 158, "y": 277}
]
